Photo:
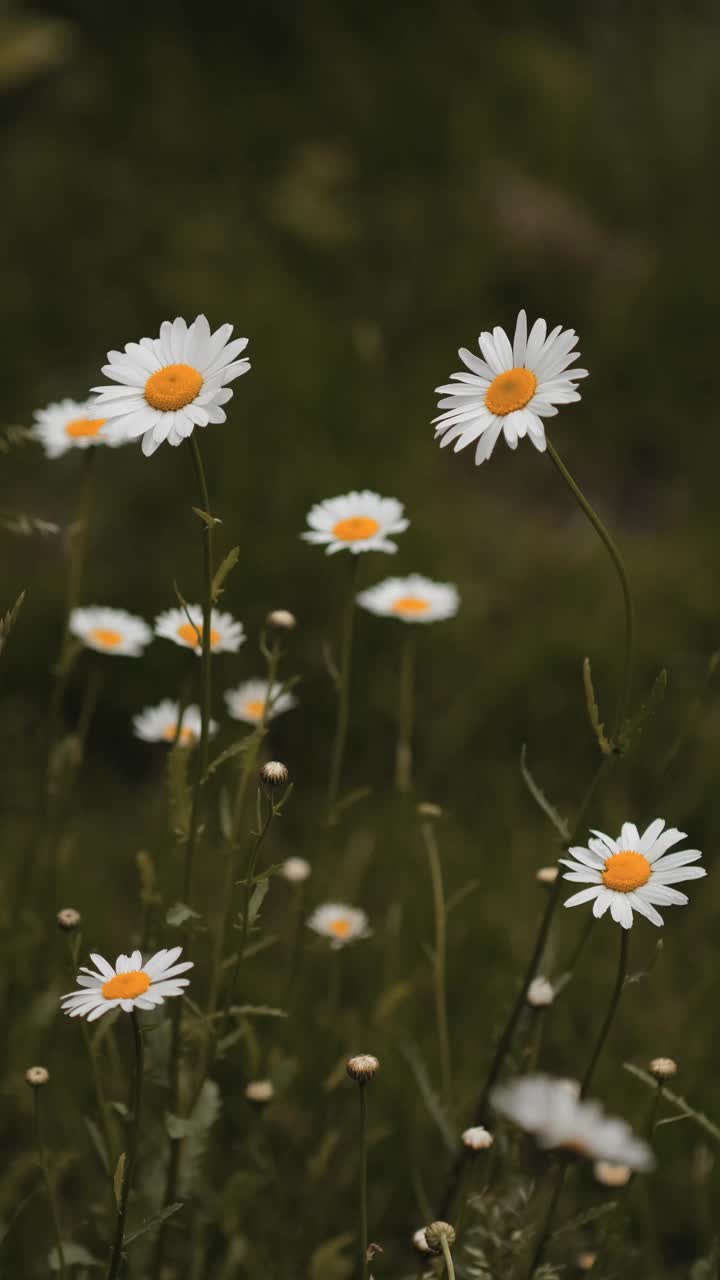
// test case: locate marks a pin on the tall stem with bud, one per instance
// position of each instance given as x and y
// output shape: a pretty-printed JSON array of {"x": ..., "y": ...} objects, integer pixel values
[{"x": 343, "y": 680}]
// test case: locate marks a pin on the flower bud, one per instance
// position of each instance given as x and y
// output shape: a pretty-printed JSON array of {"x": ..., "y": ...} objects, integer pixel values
[
  {"x": 282, "y": 619},
  {"x": 274, "y": 774},
  {"x": 663, "y": 1068},
  {"x": 427, "y": 810},
  {"x": 540, "y": 993},
  {"x": 611, "y": 1175},
  {"x": 362, "y": 1067},
  {"x": 259, "y": 1092},
  {"x": 478, "y": 1138},
  {"x": 547, "y": 875},
  {"x": 295, "y": 870},
  {"x": 36, "y": 1077},
  {"x": 68, "y": 919},
  {"x": 586, "y": 1261},
  {"x": 436, "y": 1232},
  {"x": 419, "y": 1241}
]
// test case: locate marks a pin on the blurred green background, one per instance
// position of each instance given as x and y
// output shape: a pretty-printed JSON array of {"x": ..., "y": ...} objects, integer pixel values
[{"x": 361, "y": 189}]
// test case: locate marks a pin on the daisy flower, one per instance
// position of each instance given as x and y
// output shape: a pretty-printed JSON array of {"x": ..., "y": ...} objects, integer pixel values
[
  {"x": 254, "y": 701},
  {"x": 70, "y": 424},
  {"x": 357, "y": 521},
  {"x": 411, "y": 599},
  {"x": 129, "y": 985},
  {"x": 171, "y": 384},
  {"x": 226, "y": 635},
  {"x": 110, "y": 630},
  {"x": 159, "y": 724},
  {"x": 632, "y": 873},
  {"x": 558, "y": 1118},
  {"x": 339, "y": 923},
  {"x": 511, "y": 390}
]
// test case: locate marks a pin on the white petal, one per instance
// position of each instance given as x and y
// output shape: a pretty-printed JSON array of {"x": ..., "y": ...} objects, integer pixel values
[
  {"x": 602, "y": 902},
  {"x": 621, "y": 911},
  {"x": 629, "y": 836},
  {"x": 520, "y": 340},
  {"x": 641, "y": 904},
  {"x": 585, "y": 895}
]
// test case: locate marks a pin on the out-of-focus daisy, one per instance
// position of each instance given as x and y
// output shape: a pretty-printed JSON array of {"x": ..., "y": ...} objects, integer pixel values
[
  {"x": 70, "y": 424},
  {"x": 110, "y": 630},
  {"x": 411, "y": 599},
  {"x": 632, "y": 873},
  {"x": 296, "y": 870},
  {"x": 511, "y": 389},
  {"x": 557, "y": 1118},
  {"x": 340, "y": 923},
  {"x": 171, "y": 384},
  {"x": 159, "y": 723},
  {"x": 357, "y": 521},
  {"x": 254, "y": 701},
  {"x": 128, "y": 985},
  {"x": 185, "y": 627}
]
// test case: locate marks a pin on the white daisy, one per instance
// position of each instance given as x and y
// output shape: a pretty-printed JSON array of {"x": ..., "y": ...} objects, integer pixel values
[
  {"x": 411, "y": 599},
  {"x": 226, "y": 635},
  {"x": 159, "y": 723},
  {"x": 254, "y": 701},
  {"x": 171, "y": 384},
  {"x": 511, "y": 390},
  {"x": 70, "y": 424},
  {"x": 339, "y": 923},
  {"x": 357, "y": 521},
  {"x": 129, "y": 985},
  {"x": 557, "y": 1118},
  {"x": 110, "y": 630},
  {"x": 633, "y": 872}
]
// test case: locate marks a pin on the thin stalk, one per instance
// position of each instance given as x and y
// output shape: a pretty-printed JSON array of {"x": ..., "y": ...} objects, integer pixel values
[
  {"x": 450, "y": 1269},
  {"x": 547, "y": 1226},
  {"x": 343, "y": 687},
  {"x": 77, "y": 548},
  {"x": 131, "y": 1154},
  {"x": 100, "y": 1102},
  {"x": 406, "y": 712},
  {"x": 249, "y": 878},
  {"x": 43, "y": 1162},
  {"x": 612, "y": 1009},
  {"x": 440, "y": 958},
  {"x": 619, "y": 565},
  {"x": 363, "y": 1182}
]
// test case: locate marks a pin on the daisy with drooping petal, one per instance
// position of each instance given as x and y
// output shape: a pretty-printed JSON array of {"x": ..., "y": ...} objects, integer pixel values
[
  {"x": 632, "y": 873},
  {"x": 339, "y": 923},
  {"x": 558, "y": 1118},
  {"x": 254, "y": 701},
  {"x": 159, "y": 723},
  {"x": 129, "y": 985},
  {"x": 357, "y": 521},
  {"x": 171, "y": 384},
  {"x": 511, "y": 389},
  {"x": 110, "y": 630},
  {"x": 411, "y": 599},
  {"x": 185, "y": 627},
  {"x": 70, "y": 424}
]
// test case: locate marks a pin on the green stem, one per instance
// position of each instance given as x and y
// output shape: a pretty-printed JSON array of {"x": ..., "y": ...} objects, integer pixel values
[
  {"x": 131, "y": 1154},
  {"x": 43, "y": 1162},
  {"x": 547, "y": 1226},
  {"x": 619, "y": 565},
  {"x": 612, "y": 1009},
  {"x": 440, "y": 958},
  {"x": 343, "y": 686},
  {"x": 363, "y": 1182},
  {"x": 450, "y": 1269},
  {"x": 249, "y": 877},
  {"x": 406, "y": 710}
]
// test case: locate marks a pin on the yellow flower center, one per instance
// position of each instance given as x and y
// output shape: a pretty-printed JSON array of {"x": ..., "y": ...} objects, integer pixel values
[
  {"x": 341, "y": 927},
  {"x": 410, "y": 604},
  {"x": 186, "y": 734},
  {"x": 173, "y": 387},
  {"x": 84, "y": 427},
  {"x": 510, "y": 391},
  {"x": 626, "y": 871},
  {"x": 192, "y": 635},
  {"x": 125, "y": 986},
  {"x": 106, "y": 637},
  {"x": 255, "y": 708},
  {"x": 355, "y": 528}
]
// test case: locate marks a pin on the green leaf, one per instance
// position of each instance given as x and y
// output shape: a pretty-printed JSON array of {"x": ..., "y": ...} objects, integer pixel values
[
  {"x": 235, "y": 749},
  {"x": 257, "y": 1011},
  {"x": 74, "y": 1255},
  {"x": 676, "y": 1100},
  {"x": 434, "y": 1107},
  {"x": 606, "y": 746},
  {"x": 206, "y": 518},
  {"x": 541, "y": 800},
  {"x": 118, "y": 1178},
  {"x": 585, "y": 1218},
  {"x": 221, "y": 574},
  {"x": 149, "y": 895},
  {"x": 179, "y": 913},
  {"x": 150, "y": 1223},
  {"x": 632, "y": 728},
  {"x": 328, "y": 1262},
  {"x": 7, "y": 622},
  {"x": 177, "y": 1127},
  {"x": 97, "y": 1140},
  {"x": 256, "y": 900},
  {"x": 203, "y": 1117},
  {"x": 179, "y": 791}
]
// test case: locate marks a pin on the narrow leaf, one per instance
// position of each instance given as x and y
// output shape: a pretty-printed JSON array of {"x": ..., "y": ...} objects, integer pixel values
[
  {"x": 221, "y": 574},
  {"x": 676, "y": 1100},
  {"x": 432, "y": 1102},
  {"x": 604, "y": 743},
  {"x": 118, "y": 1177},
  {"x": 635, "y": 726},
  {"x": 541, "y": 800},
  {"x": 256, "y": 900},
  {"x": 179, "y": 791},
  {"x": 206, "y": 518},
  {"x": 7, "y": 622},
  {"x": 235, "y": 749},
  {"x": 179, "y": 913},
  {"x": 74, "y": 1255},
  {"x": 157, "y": 1219}
]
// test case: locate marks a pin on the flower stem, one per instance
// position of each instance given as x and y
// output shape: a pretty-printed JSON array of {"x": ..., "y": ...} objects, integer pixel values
[
  {"x": 363, "y": 1182},
  {"x": 249, "y": 885},
  {"x": 547, "y": 1226},
  {"x": 439, "y": 966},
  {"x": 450, "y": 1269},
  {"x": 43, "y": 1162},
  {"x": 131, "y": 1154},
  {"x": 406, "y": 709},
  {"x": 343, "y": 690},
  {"x": 612, "y": 1009},
  {"x": 619, "y": 565}
]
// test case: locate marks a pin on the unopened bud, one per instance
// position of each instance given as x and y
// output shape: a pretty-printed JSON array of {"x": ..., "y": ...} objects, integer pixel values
[
  {"x": 419, "y": 1241},
  {"x": 663, "y": 1068},
  {"x": 68, "y": 919},
  {"x": 547, "y": 875},
  {"x": 259, "y": 1092},
  {"x": 611, "y": 1175},
  {"x": 36, "y": 1077},
  {"x": 540, "y": 993},
  {"x": 362, "y": 1067},
  {"x": 283, "y": 619},
  {"x": 438, "y": 1231},
  {"x": 427, "y": 810},
  {"x": 478, "y": 1138},
  {"x": 274, "y": 774},
  {"x": 586, "y": 1261},
  {"x": 295, "y": 870}
]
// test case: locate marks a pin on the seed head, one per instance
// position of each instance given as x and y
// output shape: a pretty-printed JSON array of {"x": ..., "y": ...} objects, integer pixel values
[
  {"x": 362, "y": 1067},
  {"x": 436, "y": 1232},
  {"x": 540, "y": 993},
  {"x": 68, "y": 919},
  {"x": 547, "y": 875},
  {"x": 478, "y": 1138},
  {"x": 663, "y": 1068},
  {"x": 259, "y": 1092},
  {"x": 36, "y": 1077},
  {"x": 282, "y": 619},
  {"x": 274, "y": 774},
  {"x": 427, "y": 810},
  {"x": 296, "y": 870},
  {"x": 611, "y": 1175}
]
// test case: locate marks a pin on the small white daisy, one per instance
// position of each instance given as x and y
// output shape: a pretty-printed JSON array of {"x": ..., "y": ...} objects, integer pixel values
[
  {"x": 558, "y": 1118},
  {"x": 632, "y": 873},
  {"x": 254, "y": 701},
  {"x": 355, "y": 522},
  {"x": 226, "y": 635},
  {"x": 159, "y": 723},
  {"x": 171, "y": 384},
  {"x": 478, "y": 1138},
  {"x": 129, "y": 985},
  {"x": 110, "y": 630},
  {"x": 411, "y": 599},
  {"x": 511, "y": 390},
  {"x": 340, "y": 923},
  {"x": 70, "y": 424}
]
